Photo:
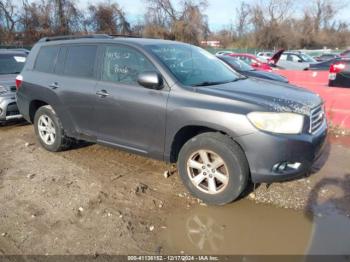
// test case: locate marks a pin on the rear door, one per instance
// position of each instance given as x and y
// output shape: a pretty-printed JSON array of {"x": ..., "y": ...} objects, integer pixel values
[
  {"x": 74, "y": 82},
  {"x": 127, "y": 114}
]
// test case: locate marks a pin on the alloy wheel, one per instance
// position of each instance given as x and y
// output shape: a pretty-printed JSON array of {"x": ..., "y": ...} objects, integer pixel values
[
  {"x": 47, "y": 130},
  {"x": 208, "y": 172}
]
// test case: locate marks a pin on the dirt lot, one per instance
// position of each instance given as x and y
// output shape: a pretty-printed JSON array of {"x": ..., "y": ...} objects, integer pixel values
[{"x": 96, "y": 200}]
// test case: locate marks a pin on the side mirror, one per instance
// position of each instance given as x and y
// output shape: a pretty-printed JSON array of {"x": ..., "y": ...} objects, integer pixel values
[
  {"x": 151, "y": 80},
  {"x": 300, "y": 61}
]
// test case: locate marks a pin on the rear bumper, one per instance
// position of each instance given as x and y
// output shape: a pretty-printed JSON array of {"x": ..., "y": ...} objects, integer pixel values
[
  {"x": 267, "y": 154},
  {"x": 8, "y": 108},
  {"x": 339, "y": 82}
]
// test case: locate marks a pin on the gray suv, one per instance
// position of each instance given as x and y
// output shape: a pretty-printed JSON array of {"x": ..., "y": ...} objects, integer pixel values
[{"x": 174, "y": 102}]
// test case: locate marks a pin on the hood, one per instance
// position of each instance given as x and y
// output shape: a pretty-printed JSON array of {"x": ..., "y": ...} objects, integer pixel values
[
  {"x": 8, "y": 81},
  {"x": 273, "y": 96},
  {"x": 266, "y": 75},
  {"x": 276, "y": 57}
]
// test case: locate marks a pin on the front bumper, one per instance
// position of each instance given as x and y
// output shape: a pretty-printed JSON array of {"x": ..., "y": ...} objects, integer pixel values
[
  {"x": 265, "y": 151},
  {"x": 8, "y": 108}
]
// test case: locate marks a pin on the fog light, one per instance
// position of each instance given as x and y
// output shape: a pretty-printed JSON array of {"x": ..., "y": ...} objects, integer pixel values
[
  {"x": 294, "y": 166},
  {"x": 286, "y": 166}
]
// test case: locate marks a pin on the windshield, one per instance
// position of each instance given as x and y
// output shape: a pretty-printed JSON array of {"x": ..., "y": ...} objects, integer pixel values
[
  {"x": 11, "y": 63},
  {"x": 307, "y": 58},
  {"x": 193, "y": 66},
  {"x": 237, "y": 64}
]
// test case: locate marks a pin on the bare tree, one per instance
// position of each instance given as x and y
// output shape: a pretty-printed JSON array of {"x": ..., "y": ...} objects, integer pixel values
[
  {"x": 37, "y": 20},
  {"x": 187, "y": 23},
  {"x": 62, "y": 20},
  {"x": 108, "y": 18},
  {"x": 8, "y": 19},
  {"x": 242, "y": 14}
]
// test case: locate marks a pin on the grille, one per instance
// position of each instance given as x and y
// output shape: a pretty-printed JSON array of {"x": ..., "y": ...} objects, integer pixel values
[{"x": 316, "y": 119}]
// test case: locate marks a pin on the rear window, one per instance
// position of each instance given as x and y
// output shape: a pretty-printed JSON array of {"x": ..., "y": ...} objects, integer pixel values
[
  {"x": 46, "y": 59},
  {"x": 11, "y": 63},
  {"x": 80, "y": 61}
]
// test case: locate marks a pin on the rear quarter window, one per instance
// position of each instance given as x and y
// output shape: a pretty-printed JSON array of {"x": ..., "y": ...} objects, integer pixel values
[{"x": 46, "y": 59}]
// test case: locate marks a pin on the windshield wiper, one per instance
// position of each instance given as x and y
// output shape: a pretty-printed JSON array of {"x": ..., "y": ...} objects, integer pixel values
[{"x": 209, "y": 83}]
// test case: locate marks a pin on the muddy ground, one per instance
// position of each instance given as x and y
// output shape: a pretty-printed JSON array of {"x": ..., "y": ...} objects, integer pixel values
[{"x": 97, "y": 200}]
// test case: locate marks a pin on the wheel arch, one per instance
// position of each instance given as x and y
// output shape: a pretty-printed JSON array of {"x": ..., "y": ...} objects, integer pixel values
[
  {"x": 186, "y": 133},
  {"x": 34, "y": 106}
]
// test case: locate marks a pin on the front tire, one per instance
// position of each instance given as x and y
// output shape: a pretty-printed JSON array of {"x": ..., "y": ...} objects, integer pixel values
[
  {"x": 213, "y": 168},
  {"x": 49, "y": 130}
]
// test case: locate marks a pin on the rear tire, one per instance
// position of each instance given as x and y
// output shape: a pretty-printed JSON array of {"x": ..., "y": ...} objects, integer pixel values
[
  {"x": 213, "y": 168},
  {"x": 49, "y": 130}
]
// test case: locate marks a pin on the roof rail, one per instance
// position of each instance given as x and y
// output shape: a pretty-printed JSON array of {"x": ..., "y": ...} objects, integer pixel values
[
  {"x": 71, "y": 37},
  {"x": 126, "y": 36}
]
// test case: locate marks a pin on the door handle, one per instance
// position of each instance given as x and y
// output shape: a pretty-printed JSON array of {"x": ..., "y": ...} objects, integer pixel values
[
  {"x": 54, "y": 85},
  {"x": 102, "y": 93}
]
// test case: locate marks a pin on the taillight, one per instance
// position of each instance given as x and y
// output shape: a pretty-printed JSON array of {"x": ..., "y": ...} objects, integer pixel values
[
  {"x": 19, "y": 80},
  {"x": 337, "y": 68}
]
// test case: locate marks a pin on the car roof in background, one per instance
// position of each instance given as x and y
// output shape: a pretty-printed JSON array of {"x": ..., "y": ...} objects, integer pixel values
[
  {"x": 242, "y": 54},
  {"x": 13, "y": 52}
]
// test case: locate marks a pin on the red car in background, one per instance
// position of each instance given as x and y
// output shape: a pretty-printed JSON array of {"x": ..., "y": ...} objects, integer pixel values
[{"x": 253, "y": 61}]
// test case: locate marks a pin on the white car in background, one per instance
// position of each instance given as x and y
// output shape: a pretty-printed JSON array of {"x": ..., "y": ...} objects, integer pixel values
[
  {"x": 292, "y": 60},
  {"x": 223, "y": 53},
  {"x": 265, "y": 56}
]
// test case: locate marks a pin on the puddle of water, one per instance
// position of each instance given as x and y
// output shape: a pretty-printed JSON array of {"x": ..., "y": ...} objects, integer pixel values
[{"x": 245, "y": 228}]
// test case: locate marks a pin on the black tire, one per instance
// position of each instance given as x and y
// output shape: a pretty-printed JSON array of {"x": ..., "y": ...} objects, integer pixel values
[
  {"x": 61, "y": 141},
  {"x": 232, "y": 155}
]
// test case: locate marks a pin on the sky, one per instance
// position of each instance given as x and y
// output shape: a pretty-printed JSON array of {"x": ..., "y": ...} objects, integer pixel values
[{"x": 218, "y": 15}]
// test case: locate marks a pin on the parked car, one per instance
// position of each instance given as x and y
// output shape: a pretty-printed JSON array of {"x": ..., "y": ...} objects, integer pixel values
[
  {"x": 265, "y": 56},
  {"x": 247, "y": 70},
  {"x": 224, "y": 53},
  {"x": 174, "y": 102},
  {"x": 292, "y": 60},
  {"x": 325, "y": 57},
  {"x": 253, "y": 61},
  {"x": 325, "y": 65},
  {"x": 346, "y": 53},
  {"x": 339, "y": 73},
  {"x": 17, "y": 50},
  {"x": 11, "y": 64}
]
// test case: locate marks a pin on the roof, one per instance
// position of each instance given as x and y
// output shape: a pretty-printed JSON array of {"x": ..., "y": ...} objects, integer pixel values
[
  {"x": 243, "y": 54},
  {"x": 105, "y": 39}
]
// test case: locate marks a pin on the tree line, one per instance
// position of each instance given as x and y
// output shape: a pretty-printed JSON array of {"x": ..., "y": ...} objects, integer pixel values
[{"x": 255, "y": 24}]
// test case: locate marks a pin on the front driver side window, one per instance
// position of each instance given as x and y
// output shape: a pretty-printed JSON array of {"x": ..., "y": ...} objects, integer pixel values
[{"x": 123, "y": 65}]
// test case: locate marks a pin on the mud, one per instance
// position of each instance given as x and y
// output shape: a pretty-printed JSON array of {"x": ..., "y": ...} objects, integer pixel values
[{"x": 97, "y": 200}]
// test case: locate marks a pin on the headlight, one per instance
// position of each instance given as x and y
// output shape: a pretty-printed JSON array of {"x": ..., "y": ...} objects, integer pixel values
[{"x": 282, "y": 123}]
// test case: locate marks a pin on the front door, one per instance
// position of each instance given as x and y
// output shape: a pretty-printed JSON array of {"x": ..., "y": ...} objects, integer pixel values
[{"x": 127, "y": 114}]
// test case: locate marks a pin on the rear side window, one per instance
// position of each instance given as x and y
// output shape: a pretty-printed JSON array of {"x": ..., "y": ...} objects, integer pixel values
[
  {"x": 46, "y": 59},
  {"x": 80, "y": 61}
]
